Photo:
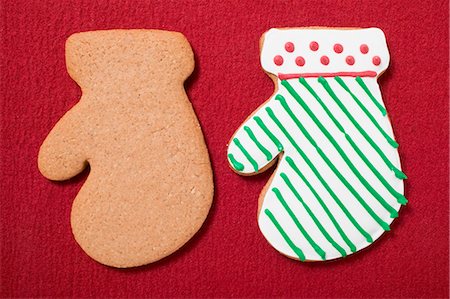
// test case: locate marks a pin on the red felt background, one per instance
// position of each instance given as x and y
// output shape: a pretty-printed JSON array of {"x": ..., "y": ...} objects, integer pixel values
[{"x": 229, "y": 256}]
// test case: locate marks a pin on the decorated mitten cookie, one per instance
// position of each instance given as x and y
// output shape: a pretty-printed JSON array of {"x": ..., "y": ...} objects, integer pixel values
[
  {"x": 338, "y": 184},
  {"x": 150, "y": 183}
]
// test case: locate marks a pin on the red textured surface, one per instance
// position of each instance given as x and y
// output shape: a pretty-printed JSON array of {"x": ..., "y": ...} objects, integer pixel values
[{"x": 229, "y": 257}]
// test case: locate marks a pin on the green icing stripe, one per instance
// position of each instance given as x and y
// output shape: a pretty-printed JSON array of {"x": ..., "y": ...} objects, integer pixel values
[
  {"x": 366, "y": 89},
  {"x": 311, "y": 214},
  {"x": 324, "y": 183},
  {"x": 298, "y": 224},
  {"x": 383, "y": 224},
  {"x": 236, "y": 165},
  {"x": 246, "y": 154},
  {"x": 324, "y": 206},
  {"x": 322, "y": 104},
  {"x": 400, "y": 198},
  {"x": 368, "y": 114},
  {"x": 333, "y": 195},
  {"x": 338, "y": 201},
  {"x": 398, "y": 173},
  {"x": 268, "y": 133},
  {"x": 291, "y": 244},
  {"x": 258, "y": 144},
  {"x": 366, "y": 184}
]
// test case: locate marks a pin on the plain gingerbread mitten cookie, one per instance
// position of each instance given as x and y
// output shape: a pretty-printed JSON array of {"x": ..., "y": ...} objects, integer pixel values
[{"x": 150, "y": 187}]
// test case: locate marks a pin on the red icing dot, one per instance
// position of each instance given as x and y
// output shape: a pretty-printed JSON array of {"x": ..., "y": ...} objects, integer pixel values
[
  {"x": 278, "y": 60},
  {"x": 350, "y": 60},
  {"x": 300, "y": 61},
  {"x": 324, "y": 60},
  {"x": 289, "y": 47},
  {"x": 376, "y": 60},
  {"x": 314, "y": 46},
  {"x": 338, "y": 48},
  {"x": 364, "y": 48}
]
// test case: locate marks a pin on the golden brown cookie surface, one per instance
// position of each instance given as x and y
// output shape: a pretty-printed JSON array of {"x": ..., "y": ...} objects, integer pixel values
[{"x": 150, "y": 186}]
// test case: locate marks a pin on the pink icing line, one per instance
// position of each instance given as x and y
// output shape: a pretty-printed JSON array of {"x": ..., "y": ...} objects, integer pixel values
[{"x": 343, "y": 74}]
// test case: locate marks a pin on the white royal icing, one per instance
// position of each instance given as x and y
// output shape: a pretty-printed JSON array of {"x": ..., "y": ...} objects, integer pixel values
[{"x": 351, "y": 40}]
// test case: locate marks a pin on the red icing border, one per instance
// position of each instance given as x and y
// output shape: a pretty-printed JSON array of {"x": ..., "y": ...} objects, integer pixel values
[{"x": 343, "y": 74}]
